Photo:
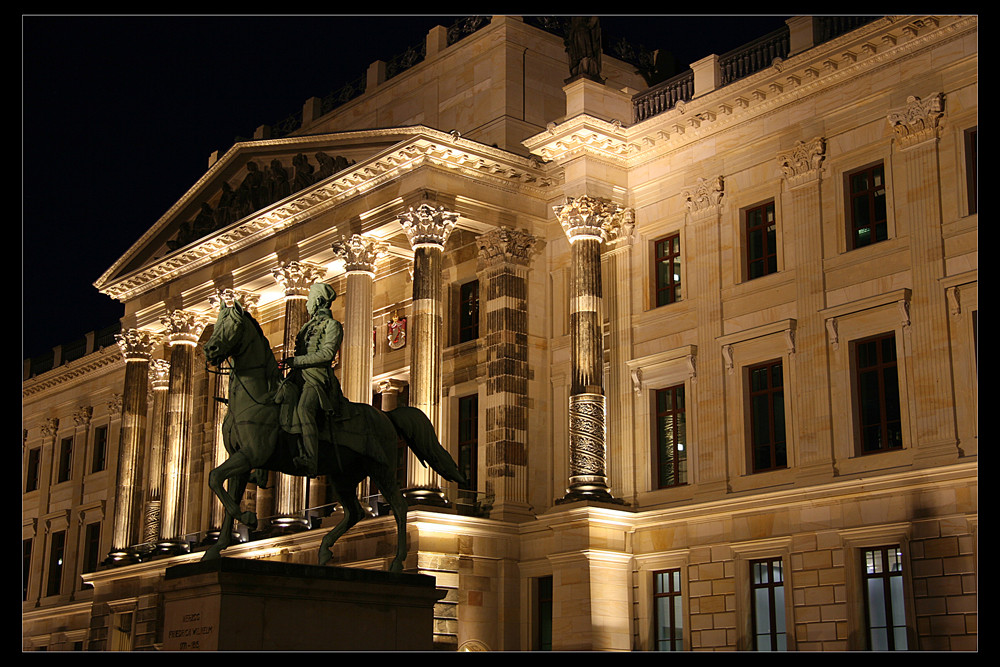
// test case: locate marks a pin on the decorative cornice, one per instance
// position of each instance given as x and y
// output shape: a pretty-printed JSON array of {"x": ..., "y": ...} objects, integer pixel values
[
  {"x": 594, "y": 217},
  {"x": 504, "y": 245},
  {"x": 297, "y": 277},
  {"x": 582, "y": 134},
  {"x": 77, "y": 370},
  {"x": 426, "y": 226},
  {"x": 802, "y": 164},
  {"x": 360, "y": 253},
  {"x": 917, "y": 121},
  {"x": 416, "y": 147}
]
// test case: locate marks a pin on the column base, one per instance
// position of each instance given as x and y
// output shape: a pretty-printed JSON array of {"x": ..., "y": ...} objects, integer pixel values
[
  {"x": 286, "y": 525},
  {"x": 170, "y": 548},
  {"x": 422, "y": 495},
  {"x": 598, "y": 494}
]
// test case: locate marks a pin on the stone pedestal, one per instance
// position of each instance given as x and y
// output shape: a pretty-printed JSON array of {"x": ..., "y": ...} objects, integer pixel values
[{"x": 244, "y": 605}]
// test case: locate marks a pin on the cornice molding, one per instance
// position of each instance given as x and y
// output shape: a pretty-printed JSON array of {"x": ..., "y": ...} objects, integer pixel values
[
  {"x": 420, "y": 146},
  {"x": 582, "y": 135},
  {"x": 107, "y": 360}
]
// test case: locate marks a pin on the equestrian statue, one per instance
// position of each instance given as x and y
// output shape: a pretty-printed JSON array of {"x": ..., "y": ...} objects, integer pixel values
[{"x": 302, "y": 425}]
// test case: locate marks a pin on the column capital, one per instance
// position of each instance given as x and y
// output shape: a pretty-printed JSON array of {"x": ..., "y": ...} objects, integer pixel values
[
  {"x": 183, "y": 327},
  {"x": 802, "y": 163},
  {"x": 917, "y": 120},
  {"x": 159, "y": 374},
  {"x": 390, "y": 385},
  {"x": 704, "y": 197},
  {"x": 136, "y": 344},
  {"x": 593, "y": 217},
  {"x": 50, "y": 427},
  {"x": 504, "y": 245},
  {"x": 360, "y": 253},
  {"x": 229, "y": 296},
  {"x": 82, "y": 415},
  {"x": 426, "y": 226},
  {"x": 297, "y": 277}
]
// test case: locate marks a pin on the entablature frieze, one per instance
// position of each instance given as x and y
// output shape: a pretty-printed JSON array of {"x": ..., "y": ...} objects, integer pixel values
[{"x": 420, "y": 148}]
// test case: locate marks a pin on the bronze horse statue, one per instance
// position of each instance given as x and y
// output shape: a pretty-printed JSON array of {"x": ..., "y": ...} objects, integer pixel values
[{"x": 253, "y": 436}]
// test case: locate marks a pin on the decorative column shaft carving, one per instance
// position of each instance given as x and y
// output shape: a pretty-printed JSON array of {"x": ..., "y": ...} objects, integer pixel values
[
  {"x": 587, "y": 222},
  {"x": 137, "y": 350},
  {"x": 504, "y": 257},
  {"x": 427, "y": 229}
]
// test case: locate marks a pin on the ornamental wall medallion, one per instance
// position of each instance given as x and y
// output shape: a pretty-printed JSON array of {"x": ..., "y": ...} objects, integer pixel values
[{"x": 397, "y": 333}]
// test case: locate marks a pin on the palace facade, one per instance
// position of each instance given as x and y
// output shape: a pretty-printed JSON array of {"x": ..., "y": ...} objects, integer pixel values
[{"x": 707, "y": 350}]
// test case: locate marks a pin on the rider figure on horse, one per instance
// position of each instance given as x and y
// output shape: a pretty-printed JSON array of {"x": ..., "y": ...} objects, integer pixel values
[{"x": 316, "y": 345}]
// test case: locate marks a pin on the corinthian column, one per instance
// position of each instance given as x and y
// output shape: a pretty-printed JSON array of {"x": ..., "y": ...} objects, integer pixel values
[
  {"x": 159, "y": 378},
  {"x": 427, "y": 229},
  {"x": 504, "y": 257},
  {"x": 587, "y": 221},
  {"x": 182, "y": 334},
  {"x": 360, "y": 254},
  {"x": 137, "y": 349},
  {"x": 291, "y": 494}
]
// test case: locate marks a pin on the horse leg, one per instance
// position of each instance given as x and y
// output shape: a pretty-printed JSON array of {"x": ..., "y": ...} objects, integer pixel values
[
  {"x": 237, "y": 485},
  {"x": 390, "y": 490},
  {"x": 353, "y": 512},
  {"x": 236, "y": 465}
]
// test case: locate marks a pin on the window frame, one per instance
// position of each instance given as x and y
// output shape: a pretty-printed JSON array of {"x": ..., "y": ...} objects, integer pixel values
[
  {"x": 55, "y": 563},
  {"x": 774, "y": 606},
  {"x": 870, "y": 194},
  {"x": 675, "y": 261},
  {"x": 970, "y": 154},
  {"x": 33, "y": 470},
  {"x": 746, "y": 235},
  {"x": 680, "y": 474},
  {"x": 887, "y": 578},
  {"x": 467, "y": 294},
  {"x": 468, "y": 444},
  {"x": 857, "y": 373},
  {"x": 64, "y": 467},
  {"x": 676, "y": 607},
  {"x": 99, "y": 452},
  {"x": 769, "y": 393}
]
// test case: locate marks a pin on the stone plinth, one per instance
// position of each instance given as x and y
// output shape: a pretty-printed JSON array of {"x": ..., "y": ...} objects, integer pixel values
[{"x": 244, "y": 605}]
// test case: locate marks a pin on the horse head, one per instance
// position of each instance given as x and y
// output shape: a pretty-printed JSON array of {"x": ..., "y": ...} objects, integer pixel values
[{"x": 227, "y": 334}]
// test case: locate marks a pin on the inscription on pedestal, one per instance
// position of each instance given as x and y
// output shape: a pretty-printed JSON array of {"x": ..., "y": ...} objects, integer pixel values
[{"x": 191, "y": 625}]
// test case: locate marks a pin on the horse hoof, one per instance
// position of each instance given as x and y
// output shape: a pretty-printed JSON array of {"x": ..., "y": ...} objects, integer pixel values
[
  {"x": 324, "y": 556},
  {"x": 249, "y": 519}
]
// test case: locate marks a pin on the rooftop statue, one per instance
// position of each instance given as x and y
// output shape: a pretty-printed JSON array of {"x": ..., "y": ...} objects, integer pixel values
[
  {"x": 583, "y": 44},
  {"x": 345, "y": 441}
]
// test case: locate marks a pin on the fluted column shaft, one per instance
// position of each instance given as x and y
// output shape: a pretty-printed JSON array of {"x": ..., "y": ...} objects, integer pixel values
[
  {"x": 427, "y": 229},
  {"x": 159, "y": 376},
  {"x": 137, "y": 348},
  {"x": 360, "y": 255},
  {"x": 183, "y": 331},
  {"x": 504, "y": 257}
]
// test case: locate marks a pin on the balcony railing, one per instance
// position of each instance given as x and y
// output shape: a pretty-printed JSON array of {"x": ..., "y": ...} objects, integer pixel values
[
  {"x": 664, "y": 96},
  {"x": 753, "y": 57}
]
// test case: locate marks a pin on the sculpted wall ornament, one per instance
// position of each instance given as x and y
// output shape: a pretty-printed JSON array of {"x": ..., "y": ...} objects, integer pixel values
[
  {"x": 297, "y": 277},
  {"x": 505, "y": 245},
  {"x": 428, "y": 226},
  {"x": 82, "y": 415},
  {"x": 705, "y": 197},
  {"x": 115, "y": 405},
  {"x": 50, "y": 427},
  {"x": 803, "y": 162},
  {"x": 360, "y": 253},
  {"x": 136, "y": 344},
  {"x": 918, "y": 120}
]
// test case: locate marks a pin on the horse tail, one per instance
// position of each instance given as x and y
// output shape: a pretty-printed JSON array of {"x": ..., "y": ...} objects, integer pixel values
[{"x": 417, "y": 432}]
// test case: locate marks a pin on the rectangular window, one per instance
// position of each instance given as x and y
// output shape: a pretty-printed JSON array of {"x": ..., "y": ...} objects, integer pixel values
[
  {"x": 57, "y": 546},
  {"x": 767, "y": 596},
  {"x": 25, "y": 567},
  {"x": 100, "y": 449},
  {"x": 972, "y": 167},
  {"x": 885, "y": 616},
  {"x": 543, "y": 634},
  {"x": 468, "y": 442},
  {"x": 867, "y": 206},
  {"x": 671, "y": 437},
  {"x": 120, "y": 637},
  {"x": 91, "y": 548},
  {"x": 667, "y": 269},
  {"x": 65, "y": 459},
  {"x": 468, "y": 312},
  {"x": 767, "y": 417},
  {"x": 669, "y": 616},
  {"x": 34, "y": 462},
  {"x": 878, "y": 394},
  {"x": 761, "y": 241}
]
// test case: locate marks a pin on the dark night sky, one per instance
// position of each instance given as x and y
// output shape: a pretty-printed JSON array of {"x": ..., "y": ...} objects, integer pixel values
[{"x": 120, "y": 114}]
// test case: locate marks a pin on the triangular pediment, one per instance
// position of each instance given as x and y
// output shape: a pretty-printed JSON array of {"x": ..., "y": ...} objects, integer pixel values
[{"x": 259, "y": 187}]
